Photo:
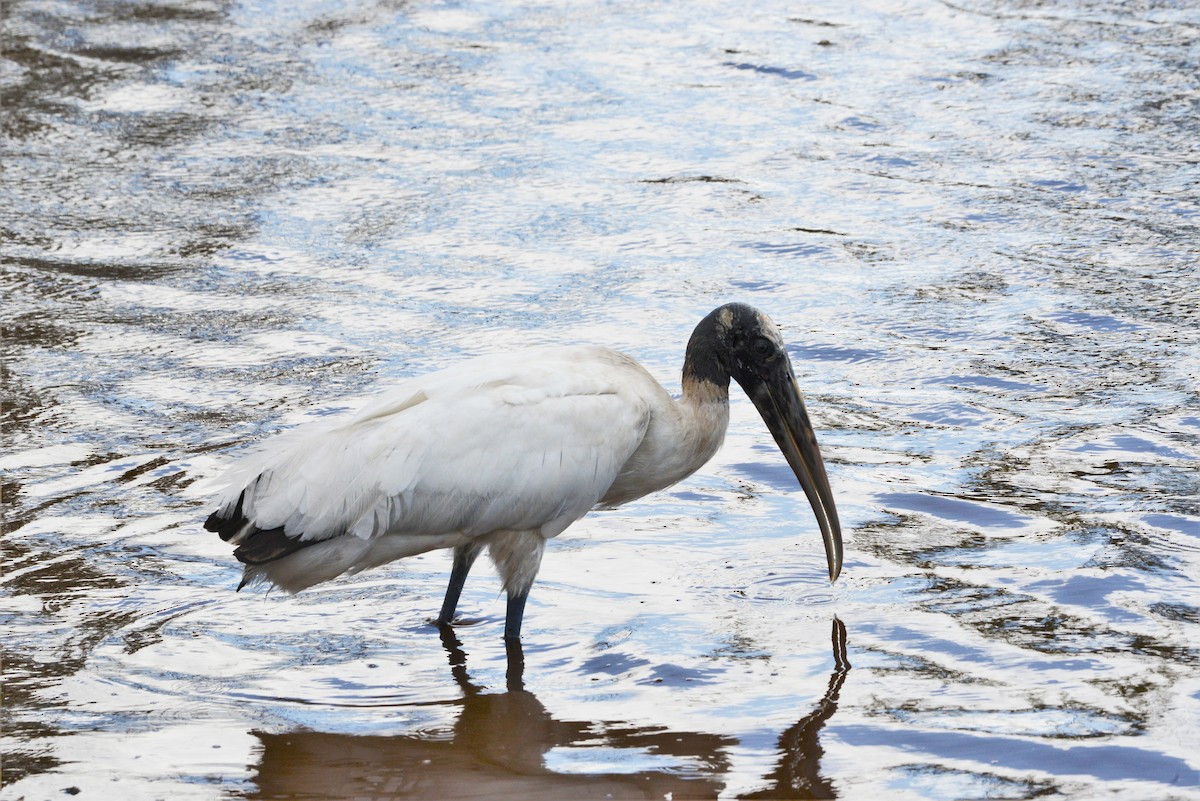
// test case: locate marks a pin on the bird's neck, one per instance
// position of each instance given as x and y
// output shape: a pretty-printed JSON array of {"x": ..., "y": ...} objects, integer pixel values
[
  {"x": 700, "y": 392},
  {"x": 705, "y": 411},
  {"x": 702, "y": 363},
  {"x": 705, "y": 402}
]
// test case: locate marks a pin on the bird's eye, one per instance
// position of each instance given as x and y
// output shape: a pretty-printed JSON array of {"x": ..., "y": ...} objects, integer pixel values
[{"x": 762, "y": 348}]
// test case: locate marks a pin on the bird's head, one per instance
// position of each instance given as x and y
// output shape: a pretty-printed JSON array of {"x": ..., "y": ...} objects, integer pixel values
[{"x": 740, "y": 342}]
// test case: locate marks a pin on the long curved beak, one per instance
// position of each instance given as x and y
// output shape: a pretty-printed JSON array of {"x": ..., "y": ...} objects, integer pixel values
[{"x": 778, "y": 401}]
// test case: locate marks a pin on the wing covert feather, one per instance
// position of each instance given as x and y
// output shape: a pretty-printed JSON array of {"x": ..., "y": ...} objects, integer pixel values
[{"x": 532, "y": 445}]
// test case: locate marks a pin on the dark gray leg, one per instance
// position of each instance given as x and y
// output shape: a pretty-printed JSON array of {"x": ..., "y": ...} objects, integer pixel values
[
  {"x": 464, "y": 557},
  {"x": 517, "y": 555},
  {"x": 515, "y": 675},
  {"x": 516, "y": 614}
]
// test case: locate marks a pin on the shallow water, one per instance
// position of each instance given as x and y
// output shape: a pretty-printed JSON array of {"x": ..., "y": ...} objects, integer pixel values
[{"x": 977, "y": 223}]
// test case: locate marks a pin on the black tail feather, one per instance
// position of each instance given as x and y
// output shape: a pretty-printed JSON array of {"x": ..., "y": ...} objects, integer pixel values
[
  {"x": 259, "y": 546},
  {"x": 267, "y": 545},
  {"x": 226, "y": 527}
]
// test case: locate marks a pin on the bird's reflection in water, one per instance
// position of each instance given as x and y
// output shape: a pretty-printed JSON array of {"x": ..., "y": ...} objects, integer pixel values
[
  {"x": 798, "y": 773},
  {"x": 498, "y": 746}
]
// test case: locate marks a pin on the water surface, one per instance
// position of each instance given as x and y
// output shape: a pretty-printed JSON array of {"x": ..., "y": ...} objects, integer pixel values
[{"x": 976, "y": 223}]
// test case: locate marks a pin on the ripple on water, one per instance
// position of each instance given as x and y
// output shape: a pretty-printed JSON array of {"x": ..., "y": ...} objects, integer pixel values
[
  {"x": 974, "y": 224},
  {"x": 1038, "y": 722},
  {"x": 937, "y": 782},
  {"x": 959, "y": 510}
]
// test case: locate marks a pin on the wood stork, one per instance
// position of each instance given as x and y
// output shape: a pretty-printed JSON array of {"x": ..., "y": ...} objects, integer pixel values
[{"x": 506, "y": 452}]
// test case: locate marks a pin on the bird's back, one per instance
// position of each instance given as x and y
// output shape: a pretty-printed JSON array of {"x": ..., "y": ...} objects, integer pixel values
[{"x": 527, "y": 441}]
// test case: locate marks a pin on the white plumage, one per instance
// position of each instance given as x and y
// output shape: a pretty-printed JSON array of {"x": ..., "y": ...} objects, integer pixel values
[{"x": 504, "y": 451}]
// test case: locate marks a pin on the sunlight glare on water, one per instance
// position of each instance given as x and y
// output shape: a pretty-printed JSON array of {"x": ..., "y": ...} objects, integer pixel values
[{"x": 975, "y": 223}]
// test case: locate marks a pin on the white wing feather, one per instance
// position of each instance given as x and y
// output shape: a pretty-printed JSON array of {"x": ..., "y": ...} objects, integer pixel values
[{"x": 518, "y": 443}]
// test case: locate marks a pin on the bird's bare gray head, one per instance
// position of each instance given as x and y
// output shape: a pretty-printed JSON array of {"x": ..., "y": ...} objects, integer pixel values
[
  {"x": 740, "y": 342},
  {"x": 735, "y": 341}
]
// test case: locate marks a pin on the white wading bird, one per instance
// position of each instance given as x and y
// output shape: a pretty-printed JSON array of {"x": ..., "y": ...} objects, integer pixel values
[{"x": 507, "y": 451}]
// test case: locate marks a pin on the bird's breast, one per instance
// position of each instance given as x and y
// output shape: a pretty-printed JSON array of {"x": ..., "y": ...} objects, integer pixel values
[{"x": 681, "y": 437}]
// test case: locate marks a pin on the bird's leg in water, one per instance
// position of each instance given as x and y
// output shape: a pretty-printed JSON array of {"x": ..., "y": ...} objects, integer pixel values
[
  {"x": 515, "y": 675},
  {"x": 464, "y": 557},
  {"x": 516, "y": 614},
  {"x": 517, "y": 555}
]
